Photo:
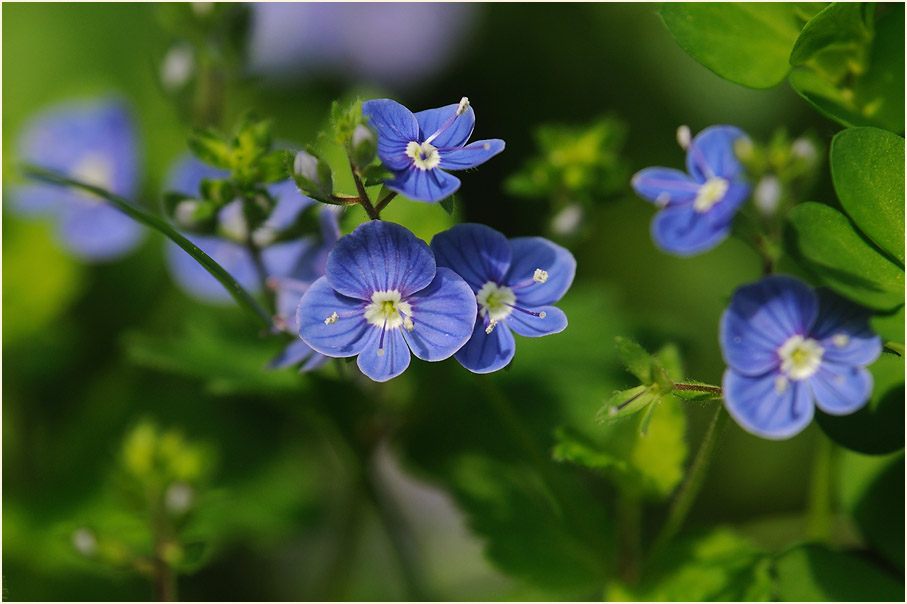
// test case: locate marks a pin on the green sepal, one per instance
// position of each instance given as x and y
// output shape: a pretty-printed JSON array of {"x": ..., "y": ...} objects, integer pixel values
[
  {"x": 625, "y": 403},
  {"x": 363, "y": 146},
  {"x": 447, "y": 204},
  {"x": 344, "y": 119},
  {"x": 211, "y": 147}
]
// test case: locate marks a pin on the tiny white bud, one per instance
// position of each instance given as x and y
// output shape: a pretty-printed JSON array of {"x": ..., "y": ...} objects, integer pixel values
[
  {"x": 85, "y": 542},
  {"x": 684, "y": 136},
  {"x": 178, "y": 67},
  {"x": 767, "y": 194},
  {"x": 233, "y": 222},
  {"x": 568, "y": 220},
  {"x": 463, "y": 106},
  {"x": 184, "y": 213},
  {"x": 540, "y": 276},
  {"x": 803, "y": 148},
  {"x": 840, "y": 340},
  {"x": 332, "y": 319},
  {"x": 179, "y": 498}
]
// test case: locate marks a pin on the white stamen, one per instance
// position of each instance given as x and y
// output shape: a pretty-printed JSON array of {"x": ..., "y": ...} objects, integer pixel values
[
  {"x": 463, "y": 106},
  {"x": 540, "y": 276},
  {"x": 495, "y": 301},
  {"x": 425, "y": 156},
  {"x": 840, "y": 340},
  {"x": 388, "y": 310},
  {"x": 800, "y": 357},
  {"x": 490, "y": 327},
  {"x": 710, "y": 192},
  {"x": 332, "y": 319},
  {"x": 684, "y": 137}
]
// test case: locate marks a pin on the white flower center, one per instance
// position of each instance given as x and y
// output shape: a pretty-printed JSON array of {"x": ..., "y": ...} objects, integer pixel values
[
  {"x": 387, "y": 310},
  {"x": 94, "y": 169},
  {"x": 495, "y": 301},
  {"x": 800, "y": 357},
  {"x": 424, "y": 155},
  {"x": 710, "y": 192}
]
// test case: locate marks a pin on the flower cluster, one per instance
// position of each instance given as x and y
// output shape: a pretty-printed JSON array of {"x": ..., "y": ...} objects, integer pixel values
[
  {"x": 789, "y": 348},
  {"x": 697, "y": 209}
]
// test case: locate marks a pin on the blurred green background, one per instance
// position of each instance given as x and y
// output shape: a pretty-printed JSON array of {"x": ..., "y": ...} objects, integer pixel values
[{"x": 92, "y": 350}]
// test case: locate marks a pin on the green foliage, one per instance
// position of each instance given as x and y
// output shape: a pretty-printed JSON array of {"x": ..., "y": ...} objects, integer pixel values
[
  {"x": 246, "y": 154},
  {"x": 815, "y": 573},
  {"x": 744, "y": 42},
  {"x": 867, "y": 166},
  {"x": 890, "y": 327}
]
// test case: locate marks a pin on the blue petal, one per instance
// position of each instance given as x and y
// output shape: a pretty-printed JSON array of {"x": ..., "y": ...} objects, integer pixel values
[
  {"x": 97, "y": 231},
  {"x": 531, "y": 253},
  {"x": 396, "y": 127},
  {"x": 290, "y": 203},
  {"x": 476, "y": 252},
  {"x": 456, "y": 134},
  {"x": 316, "y": 361},
  {"x": 186, "y": 174},
  {"x": 763, "y": 408},
  {"x": 429, "y": 186},
  {"x": 380, "y": 256},
  {"x": 389, "y": 365},
  {"x": 294, "y": 353},
  {"x": 197, "y": 282},
  {"x": 711, "y": 153},
  {"x": 33, "y": 200},
  {"x": 484, "y": 353},
  {"x": 283, "y": 259},
  {"x": 470, "y": 156},
  {"x": 840, "y": 317},
  {"x": 443, "y": 317},
  {"x": 530, "y": 326},
  {"x": 839, "y": 389},
  {"x": 288, "y": 294},
  {"x": 345, "y": 338},
  {"x": 682, "y": 231},
  {"x": 665, "y": 186},
  {"x": 761, "y": 317}
]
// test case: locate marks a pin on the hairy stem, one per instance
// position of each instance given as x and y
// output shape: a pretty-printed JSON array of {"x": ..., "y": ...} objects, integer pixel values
[
  {"x": 364, "y": 200},
  {"x": 698, "y": 388}
]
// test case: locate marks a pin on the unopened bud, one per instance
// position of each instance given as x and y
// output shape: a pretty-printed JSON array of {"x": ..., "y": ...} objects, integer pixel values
[
  {"x": 804, "y": 149},
  {"x": 178, "y": 67},
  {"x": 363, "y": 146},
  {"x": 684, "y": 136},
  {"x": 312, "y": 175},
  {"x": 767, "y": 195},
  {"x": 85, "y": 542},
  {"x": 178, "y": 498}
]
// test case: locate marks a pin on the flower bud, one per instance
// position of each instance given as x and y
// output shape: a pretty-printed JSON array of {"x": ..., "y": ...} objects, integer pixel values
[
  {"x": 312, "y": 175},
  {"x": 178, "y": 498},
  {"x": 178, "y": 67},
  {"x": 363, "y": 146},
  {"x": 767, "y": 194},
  {"x": 84, "y": 541}
]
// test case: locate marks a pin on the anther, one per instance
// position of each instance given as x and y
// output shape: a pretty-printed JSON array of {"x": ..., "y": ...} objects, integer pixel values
[
  {"x": 408, "y": 324},
  {"x": 684, "y": 137},
  {"x": 461, "y": 109},
  {"x": 540, "y": 276},
  {"x": 491, "y": 326},
  {"x": 332, "y": 319},
  {"x": 463, "y": 106}
]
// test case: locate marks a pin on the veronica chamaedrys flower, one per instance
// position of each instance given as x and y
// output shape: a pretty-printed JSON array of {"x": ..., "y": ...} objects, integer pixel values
[
  {"x": 383, "y": 295},
  {"x": 418, "y": 148},
  {"x": 697, "y": 209},
  {"x": 94, "y": 142},
  {"x": 301, "y": 259},
  {"x": 515, "y": 282},
  {"x": 789, "y": 347}
]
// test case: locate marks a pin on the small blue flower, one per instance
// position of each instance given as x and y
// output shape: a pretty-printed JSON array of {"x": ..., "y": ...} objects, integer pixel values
[
  {"x": 418, "y": 148},
  {"x": 789, "y": 347},
  {"x": 697, "y": 208},
  {"x": 382, "y": 296},
  {"x": 94, "y": 142},
  {"x": 515, "y": 282}
]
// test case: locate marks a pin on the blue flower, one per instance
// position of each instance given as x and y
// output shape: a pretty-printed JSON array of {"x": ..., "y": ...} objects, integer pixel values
[
  {"x": 789, "y": 347},
  {"x": 382, "y": 296},
  {"x": 514, "y": 281},
  {"x": 94, "y": 142},
  {"x": 418, "y": 148},
  {"x": 697, "y": 208}
]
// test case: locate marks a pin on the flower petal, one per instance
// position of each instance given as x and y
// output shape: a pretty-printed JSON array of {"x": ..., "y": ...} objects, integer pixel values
[
  {"x": 530, "y": 326},
  {"x": 290, "y": 204},
  {"x": 844, "y": 332},
  {"x": 720, "y": 215},
  {"x": 476, "y": 252},
  {"x": 665, "y": 186},
  {"x": 294, "y": 353},
  {"x": 393, "y": 361},
  {"x": 767, "y": 407},
  {"x": 682, "y": 231},
  {"x": 316, "y": 361},
  {"x": 443, "y": 317},
  {"x": 761, "y": 318},
  {"x": 98, "y": 231},
  {"x": 484, "y": 353},
  {"x": 186, "y": 175},
  {"x": 32, "y": 200},
  {"x": 532, "y": 253},
  {"x": 470, "y": 156},
  {"x": 839, "y": 389},
  {"x": 455, "y": 135},
  {"x": 288, "y": 294},
  {"x": 396, "y": 127},
  {"x": 346, "y": 337},
  {"x": 429, "y": 186},
  {"x": 380, "y": 256},
  {"x": 711, "y": 153},
  {"x": 192, "y": 278}
]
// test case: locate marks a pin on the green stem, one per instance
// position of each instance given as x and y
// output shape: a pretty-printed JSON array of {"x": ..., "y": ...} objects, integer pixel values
[
  {"x": 693, "y": 483},
  {"x": 820, "y": 503},
  {"x": 239, "y": 294},
  {"x": 697, "y": 388},
  {"x": 383, "y": 203}
]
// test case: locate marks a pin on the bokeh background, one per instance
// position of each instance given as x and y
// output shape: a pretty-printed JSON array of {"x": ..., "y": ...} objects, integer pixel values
[{"x": 93, "y": 350}]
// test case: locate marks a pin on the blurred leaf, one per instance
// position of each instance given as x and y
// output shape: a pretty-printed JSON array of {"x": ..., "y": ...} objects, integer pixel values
[
  {"x": 843, "y": 259},
  {"x": 877, "y": 428},
  {"x": 840, "y": 25},
  {"x": 747, "y": 43},
  {"x": 867, "y": 166},
  {"x": 719, "y": 566},
  {"x": 636, "y": 360},
  {"x": 211, "y": 147},
  {"x": 273, "y": 166},
  {"x": 814, "y": 573},
  {"x": 890, "y": 327}
]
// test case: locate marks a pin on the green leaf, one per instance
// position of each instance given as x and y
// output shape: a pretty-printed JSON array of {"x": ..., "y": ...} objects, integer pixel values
[
  {"x": 840, "y": 25},
  {"x": 867, "y": 167},
  {"x": 447, "y": 205},
  {"x": 635, "y": 358},
  {"x": 890, "y": 327},
  {"x": 843, "y": 259},
  {"x": 747, "y": 43},
  {"x": 273, "y": 166},
  {"x": 878, "y": 427},
  {"x": 211, "y": 147},
  {"x": 814, "y": 573}
]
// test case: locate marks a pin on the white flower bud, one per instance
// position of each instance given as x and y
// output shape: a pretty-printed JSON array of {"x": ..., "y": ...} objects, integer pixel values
[
  {"x": 84, "y": 541},
  {"x": 767, "y": 194},
  {"x": 178, "y": 498}
]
